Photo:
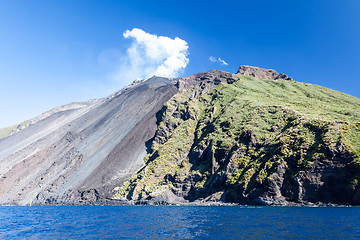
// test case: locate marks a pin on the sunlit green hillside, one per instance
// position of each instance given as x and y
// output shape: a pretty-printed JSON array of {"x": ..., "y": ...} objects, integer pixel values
[{"x": 235, "y": 137}]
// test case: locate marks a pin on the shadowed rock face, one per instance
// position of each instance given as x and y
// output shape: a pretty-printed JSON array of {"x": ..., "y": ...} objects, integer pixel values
[{"x": 78, "y": 155}]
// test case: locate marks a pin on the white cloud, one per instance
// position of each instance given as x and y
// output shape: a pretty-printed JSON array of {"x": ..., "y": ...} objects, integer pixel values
[
  {"x": 151, "y": 55},
  {"x": 218, "y": 60},
  {"x": 212, "y": 59}
]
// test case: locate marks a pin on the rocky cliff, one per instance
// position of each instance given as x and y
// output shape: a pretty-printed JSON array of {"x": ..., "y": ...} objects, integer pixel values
[
  {"x": 252, "y": 141},
  {"x": 255, "y": 137}
]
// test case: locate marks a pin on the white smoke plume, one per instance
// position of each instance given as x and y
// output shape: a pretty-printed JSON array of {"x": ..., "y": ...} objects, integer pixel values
[{"x": 152, "y": 55}]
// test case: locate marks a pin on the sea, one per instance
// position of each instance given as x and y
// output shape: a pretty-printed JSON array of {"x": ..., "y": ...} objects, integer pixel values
[{"x": 179, "y": 222}]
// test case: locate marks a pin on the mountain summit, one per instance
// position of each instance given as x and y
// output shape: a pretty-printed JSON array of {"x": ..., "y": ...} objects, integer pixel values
[
  {"x": 255, "y": 137},
  {"x": 262, "y": 73}
]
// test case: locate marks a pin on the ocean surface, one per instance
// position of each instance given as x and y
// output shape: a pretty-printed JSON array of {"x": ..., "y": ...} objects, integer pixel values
[{"x": 179, "y": 222}]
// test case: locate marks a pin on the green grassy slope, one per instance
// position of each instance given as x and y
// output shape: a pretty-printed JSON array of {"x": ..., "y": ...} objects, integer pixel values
[
  {"x": 234, "y": 137},
  {"x": 4, "y": 132}
]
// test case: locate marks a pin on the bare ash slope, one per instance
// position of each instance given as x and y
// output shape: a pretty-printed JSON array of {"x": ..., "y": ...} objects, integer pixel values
[{"x": 79, "y": 154}]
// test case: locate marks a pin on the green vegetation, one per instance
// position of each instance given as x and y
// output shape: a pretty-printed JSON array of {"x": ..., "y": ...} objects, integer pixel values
[
  {"x": 4, "y": 132},
  {"x": 237, "y": 135}
]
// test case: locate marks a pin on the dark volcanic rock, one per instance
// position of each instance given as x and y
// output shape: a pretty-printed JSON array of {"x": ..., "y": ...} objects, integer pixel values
[
  {"x": 203, "y": 82},
  {"x": 262, "y": 73},
  {"x": 283, "y": 76},
  {"x": 257, "y": 72}
]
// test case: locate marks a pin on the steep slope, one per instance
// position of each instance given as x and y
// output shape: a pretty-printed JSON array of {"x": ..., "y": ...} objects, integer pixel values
[
  {"x": 8, "y": 131},
  {"x": 79, "y": 154},
  {"x": 251, "y": 141}
]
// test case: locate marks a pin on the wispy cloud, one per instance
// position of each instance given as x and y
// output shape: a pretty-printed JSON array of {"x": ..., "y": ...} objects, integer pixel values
[
  {"x": 218, "y": 60},
  {"x": 150, "y": 55}
]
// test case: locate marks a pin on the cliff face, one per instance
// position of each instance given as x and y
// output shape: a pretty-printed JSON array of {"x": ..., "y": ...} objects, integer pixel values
[
  {"x": 252, "y": 141},
  {"x": 79, "y": 154}
]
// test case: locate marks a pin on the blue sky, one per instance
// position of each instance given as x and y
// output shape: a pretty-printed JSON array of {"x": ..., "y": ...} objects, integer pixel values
[{"x": 56, "y": 52}]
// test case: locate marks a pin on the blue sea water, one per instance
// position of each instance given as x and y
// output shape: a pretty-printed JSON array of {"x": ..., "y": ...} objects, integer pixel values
[{"x": 179, "y": 222}]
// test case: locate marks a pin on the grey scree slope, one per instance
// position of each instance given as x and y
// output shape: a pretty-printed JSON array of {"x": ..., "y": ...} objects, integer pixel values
[{"x": 79, "y": 155}]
